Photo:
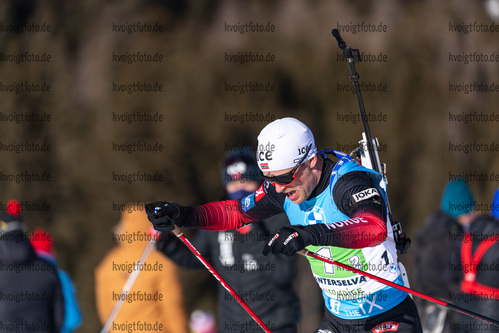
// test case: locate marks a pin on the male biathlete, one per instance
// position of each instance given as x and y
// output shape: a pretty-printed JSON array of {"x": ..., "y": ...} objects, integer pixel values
[{"x": 336, "y": 210}]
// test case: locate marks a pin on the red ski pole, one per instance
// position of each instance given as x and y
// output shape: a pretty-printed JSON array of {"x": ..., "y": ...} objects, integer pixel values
[
  {"x": 198, "y": 255},
  {"x": 400, "y": 287}
]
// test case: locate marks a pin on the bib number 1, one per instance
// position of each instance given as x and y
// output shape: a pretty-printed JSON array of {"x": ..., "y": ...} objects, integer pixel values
[{"x": 326, "y": 252}]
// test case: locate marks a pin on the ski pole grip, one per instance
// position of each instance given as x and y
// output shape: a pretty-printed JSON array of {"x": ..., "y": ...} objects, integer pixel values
[
  {"x": 176, "y": 231},
  {"x": 303, "y": 252}
]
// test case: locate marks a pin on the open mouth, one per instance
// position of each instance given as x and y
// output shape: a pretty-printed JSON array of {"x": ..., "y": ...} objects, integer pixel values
[{"x": 292, "y": 195}]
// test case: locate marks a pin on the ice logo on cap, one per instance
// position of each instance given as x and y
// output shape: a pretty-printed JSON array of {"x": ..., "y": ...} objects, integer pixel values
[
  {"x": 301, "y": 151},
  {"x": 264, "y": 152}
]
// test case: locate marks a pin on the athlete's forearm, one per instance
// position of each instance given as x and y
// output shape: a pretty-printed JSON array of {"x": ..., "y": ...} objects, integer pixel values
[
  {"x": 362, "y": 230},
  {"x": 218, "y": 215}
]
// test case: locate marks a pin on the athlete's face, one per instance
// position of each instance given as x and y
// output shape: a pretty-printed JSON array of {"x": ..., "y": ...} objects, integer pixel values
[{"x": 305, "y": 181}]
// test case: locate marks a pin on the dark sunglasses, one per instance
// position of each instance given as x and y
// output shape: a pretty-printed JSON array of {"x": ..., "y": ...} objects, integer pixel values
[{"x": 287, "y": 178}]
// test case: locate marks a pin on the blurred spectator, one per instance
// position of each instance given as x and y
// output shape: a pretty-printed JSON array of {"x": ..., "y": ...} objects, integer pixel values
[
  {"x": 264, "y": 283},
  {"x": 31, "y": 298},
  {"x": 435, "y": 242},
  {"x": 479, "y": 272},
  {"x": 154, "y": 302},
  {"x": 202, "y": 322},
  {"x": 42, "y": 243}
]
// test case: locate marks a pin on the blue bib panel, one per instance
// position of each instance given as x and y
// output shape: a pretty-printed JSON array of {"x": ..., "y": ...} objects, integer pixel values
[{"x": 346, "y": 294}]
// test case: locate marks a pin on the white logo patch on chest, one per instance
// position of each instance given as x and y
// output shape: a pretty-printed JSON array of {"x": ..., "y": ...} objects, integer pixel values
[{"x": 315, "y": 215}]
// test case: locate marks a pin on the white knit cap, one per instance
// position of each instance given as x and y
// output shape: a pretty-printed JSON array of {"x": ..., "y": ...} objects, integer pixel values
[{"x": 282, "y": 144}]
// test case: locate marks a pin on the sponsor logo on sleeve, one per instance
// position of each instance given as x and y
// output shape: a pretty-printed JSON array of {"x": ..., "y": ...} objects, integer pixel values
[
  {"x": 248, "y": 202},
  {"x": 366, "y": 194},
  {"x": 259, "y": 193}
]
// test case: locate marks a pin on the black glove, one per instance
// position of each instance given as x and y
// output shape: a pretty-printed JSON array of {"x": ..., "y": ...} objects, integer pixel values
[
  {"x": 288, "y": 240},
  {"x": 164, "y": 215}
]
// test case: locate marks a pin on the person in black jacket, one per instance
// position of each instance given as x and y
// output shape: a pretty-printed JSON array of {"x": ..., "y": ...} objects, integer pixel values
[
  {"x": 264, "y": 283},
  {"x": 30, "y": 292},
  {"x": 433, "y": 253}
]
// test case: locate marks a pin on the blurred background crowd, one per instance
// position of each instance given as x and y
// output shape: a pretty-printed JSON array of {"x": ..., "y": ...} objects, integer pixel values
[{"x": 107, "y": 105}]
